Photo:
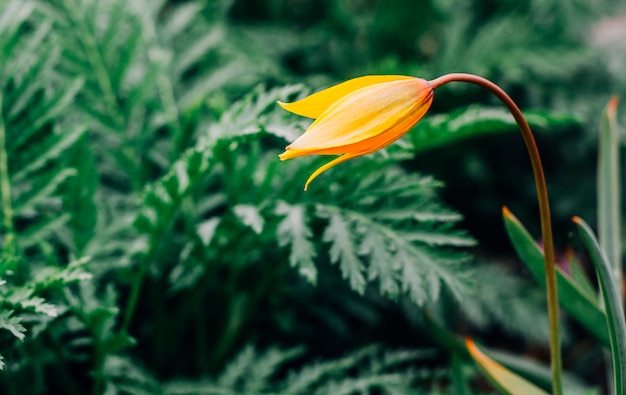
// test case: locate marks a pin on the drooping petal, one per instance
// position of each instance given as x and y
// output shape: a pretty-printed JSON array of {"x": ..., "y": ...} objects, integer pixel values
[
  {"x": 375, "y": 144},
  {"x": 330, "y": 164},
  {"x": 365, "y": 114},
  {"x": 314, "y": 105}
]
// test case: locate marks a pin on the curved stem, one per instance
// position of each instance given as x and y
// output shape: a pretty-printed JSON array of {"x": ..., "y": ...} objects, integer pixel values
[{"x": 544, "y": 212}]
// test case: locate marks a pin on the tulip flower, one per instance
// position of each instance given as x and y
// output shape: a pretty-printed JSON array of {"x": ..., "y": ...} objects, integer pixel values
[
  {"x": 365, "y": 114},
  {"x": 358, "y": 117}
]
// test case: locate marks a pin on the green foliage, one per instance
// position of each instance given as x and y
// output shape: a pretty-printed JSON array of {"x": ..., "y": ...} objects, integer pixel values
[
  {"x": 510, "y": 303},
  {"x": 366, "y": 371},
  {"x": 574, "y": 298},
  {"x": 474, "y": 121},
  {"x": 149, "y": 231}
]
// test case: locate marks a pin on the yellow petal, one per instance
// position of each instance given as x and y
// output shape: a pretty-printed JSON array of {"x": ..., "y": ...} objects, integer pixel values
[
  {"x": 372, "y": 112},
  {"x": 330, "y": 164},
  {"x": 314, "y": 105},
  {"x": 364, "y": 147}
]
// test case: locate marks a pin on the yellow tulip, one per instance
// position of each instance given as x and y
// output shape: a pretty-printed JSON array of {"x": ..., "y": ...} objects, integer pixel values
[{"x": 357, "y": 117}]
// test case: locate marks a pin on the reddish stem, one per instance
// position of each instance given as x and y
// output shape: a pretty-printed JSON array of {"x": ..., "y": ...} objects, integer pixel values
[{"x": 544, "y": 212}]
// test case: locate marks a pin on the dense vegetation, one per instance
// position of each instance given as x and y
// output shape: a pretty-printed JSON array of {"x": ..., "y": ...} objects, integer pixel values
[{"x": 152, "y": 242}]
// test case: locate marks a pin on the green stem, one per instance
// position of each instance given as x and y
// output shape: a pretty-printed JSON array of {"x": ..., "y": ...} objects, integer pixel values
[
  {"x": 544, "y": 212},
  {"x": 140, "y": 274},
  {"x": 61, "y": 370},
  {"x": 98, "y": 380},
  {"x": 5, "y": 191},
  {"x": 135, "y": 291}
]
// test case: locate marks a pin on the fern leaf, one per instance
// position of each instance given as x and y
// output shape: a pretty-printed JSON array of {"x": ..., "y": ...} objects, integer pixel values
[
  {"x": 381, "y": 266},
  {"x": 311, "y": 375},
  {"x": 266, "y": 366},
  {"x": 397, "y": 382},
  {"x": 257, "y": 113},
  {"x": 55, "y": 277},
  {"x": 445, "y": 237},
  {"x": 53, "y": 151},
  {"x": 206, "y": 230},
  {"x": 343, "y": 249},
  {"x": 42, "y": 230},
  {"x": 399, "y": 263},
  {"x": 12, "y": 324},
  {"x": 293, "y": 231},
  {"x": 474, "y": 121},
  {"x": 24, "y": 298},
  {"x": 47, "y": 111},
  {"x": 42, "y": 193},
  {"x": 249, "y": 216}
]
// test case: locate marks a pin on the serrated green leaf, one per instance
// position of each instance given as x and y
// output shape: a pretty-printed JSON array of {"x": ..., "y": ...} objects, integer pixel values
[
  {"x": 12, "y": 324},
  {"x": 206, "y": 230},
  {"x": 401, "y": 264},
  {"x": 250, "y": 217},
  {"x": 49, "y": 110},
  {"x": 437, "y": 238},
  {"x": 24, "y": 298},
  {"x": 42, "y": 230},
  {"x": 55, "y": 150},
  {"x": 44, "y": 192},
  {"x": 376, "y": 246},
  {"x": 265, "y": 367},
  {"x": 293, "y": 231},
  {"x": 472, "y": 121},
  {"x": 256, "y": 113},
  {"x": 180, "y": 18},
  {"x": 51, "y": 277},
  {"x": 198, "y": 49},
  {"x": 343, "y": 249}
]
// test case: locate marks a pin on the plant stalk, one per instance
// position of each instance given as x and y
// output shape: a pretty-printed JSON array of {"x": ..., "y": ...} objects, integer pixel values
[
  {"x": 5, "y": 191},
  {"x": 544, "y": 212}
]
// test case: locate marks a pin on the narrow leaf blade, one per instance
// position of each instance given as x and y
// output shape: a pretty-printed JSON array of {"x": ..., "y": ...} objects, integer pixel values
[
  {"x": 571, "y": 297},
  {"x": 500, "y": 376},
  {"x": 612, "y": 301},
  {"x": 609, "y": 187}
]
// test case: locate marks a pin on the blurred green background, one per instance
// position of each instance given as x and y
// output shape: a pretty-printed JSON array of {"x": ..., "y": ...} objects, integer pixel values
[{"x": 154, "y": 243}]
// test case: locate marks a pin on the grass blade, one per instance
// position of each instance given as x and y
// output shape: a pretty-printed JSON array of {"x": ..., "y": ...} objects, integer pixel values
[
  {"x": 612, "y": 301},
  {"x": 572, "y": 297},
  {"x": 608, "y": 189}
]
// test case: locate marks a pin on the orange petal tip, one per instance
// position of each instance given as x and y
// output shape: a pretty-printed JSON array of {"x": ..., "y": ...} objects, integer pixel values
[
  {"x": 577, "y": 219},
  {"x": 506, "y": 212},
  {"x": 611, "y": 107}
]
